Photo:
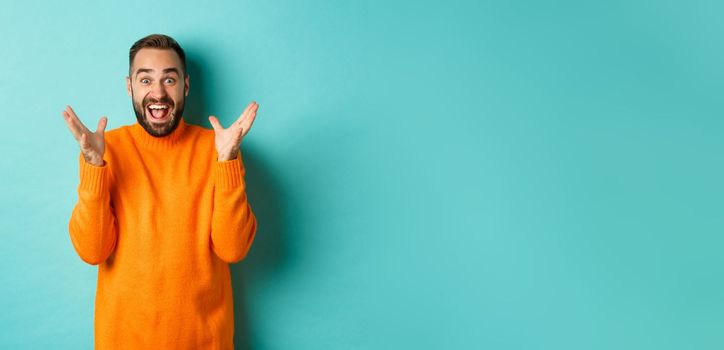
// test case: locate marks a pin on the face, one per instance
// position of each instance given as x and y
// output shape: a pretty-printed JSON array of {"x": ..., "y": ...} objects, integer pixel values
[{"x": 158, "y": 89}]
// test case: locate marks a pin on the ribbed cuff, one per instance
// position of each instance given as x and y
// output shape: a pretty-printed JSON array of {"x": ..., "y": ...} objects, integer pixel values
[
  {"x": 92, "y": 178},
  {"x": 230, "y": 173}
]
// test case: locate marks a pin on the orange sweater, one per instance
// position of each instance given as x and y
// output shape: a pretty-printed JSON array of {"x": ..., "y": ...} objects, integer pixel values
[{"x": 162, "y": 218}]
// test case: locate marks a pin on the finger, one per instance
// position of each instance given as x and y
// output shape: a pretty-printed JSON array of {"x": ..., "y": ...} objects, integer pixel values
[
  {"x": 250, "y": 106},
  {"x": 245, "y": 114},
  {"x": 247, "y": 126},
  {"x": 76, "y": 120},
  {"x": 102, "y": 123},
  {"x": 71, "y": 126},
  {"x": 215, "y": 124},
  {"x": 84, "y": 141},
  {"x": 247, "y": 123},
  {"x": 74, "y": 127},
  {"x": 236, "y": 138}
]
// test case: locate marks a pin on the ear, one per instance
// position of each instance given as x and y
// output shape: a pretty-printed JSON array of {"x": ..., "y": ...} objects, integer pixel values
[
  {"x": 128, "y": 87},
  {"x": 186, "y": 85}
]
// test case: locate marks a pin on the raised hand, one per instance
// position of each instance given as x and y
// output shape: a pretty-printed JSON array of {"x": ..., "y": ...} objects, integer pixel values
[
  {"x": 91, "y": 144},
  {"x": 228, "y": 140}
]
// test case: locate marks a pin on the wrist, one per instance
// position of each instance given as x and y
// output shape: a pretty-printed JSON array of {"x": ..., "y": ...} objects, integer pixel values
[
  {"x": 95, "y": 161},
  {"x": 227, "y": 158}
]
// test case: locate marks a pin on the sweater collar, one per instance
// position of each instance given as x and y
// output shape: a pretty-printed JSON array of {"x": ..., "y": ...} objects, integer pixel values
[{"x": 169, "y": 140}]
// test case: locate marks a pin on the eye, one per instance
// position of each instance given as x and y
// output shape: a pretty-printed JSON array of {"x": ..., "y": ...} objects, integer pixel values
[
  {"x": 170, "y": 80},
  {"x": 145, "y": 81}
]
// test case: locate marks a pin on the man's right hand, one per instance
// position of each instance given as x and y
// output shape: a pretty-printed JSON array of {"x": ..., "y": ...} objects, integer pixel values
[{"x": 91, "y": 144}]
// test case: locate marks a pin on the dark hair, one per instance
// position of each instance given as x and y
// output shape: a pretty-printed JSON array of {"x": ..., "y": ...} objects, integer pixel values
[{"x": 157, "y": 41}]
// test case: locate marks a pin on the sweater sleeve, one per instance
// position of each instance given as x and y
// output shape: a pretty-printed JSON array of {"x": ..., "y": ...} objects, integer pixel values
[
  {"x": 233, "y": 224},
  {"x": 92, "y": 224}
]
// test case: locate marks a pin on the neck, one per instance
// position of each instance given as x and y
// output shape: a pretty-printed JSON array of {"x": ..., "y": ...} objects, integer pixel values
[{"x": 159, "y": 141}]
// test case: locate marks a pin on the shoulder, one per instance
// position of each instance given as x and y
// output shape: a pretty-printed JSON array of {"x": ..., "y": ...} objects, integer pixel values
[
  {"x": 118, "y": 134},
  {"x": 199, "y": 132}
]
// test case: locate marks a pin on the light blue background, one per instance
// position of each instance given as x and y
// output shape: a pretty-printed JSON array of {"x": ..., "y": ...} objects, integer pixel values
[{"x": 429, "y": 175}]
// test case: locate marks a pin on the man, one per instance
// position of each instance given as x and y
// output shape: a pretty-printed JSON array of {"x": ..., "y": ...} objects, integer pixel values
[{"x": 162, "y": 210}]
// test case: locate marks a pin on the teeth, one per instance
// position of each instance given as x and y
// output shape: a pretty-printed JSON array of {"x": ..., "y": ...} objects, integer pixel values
[{"x": 158, "y": 107}]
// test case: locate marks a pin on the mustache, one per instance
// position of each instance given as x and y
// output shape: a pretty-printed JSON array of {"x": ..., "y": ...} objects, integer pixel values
[{"x": 149, "y": 101}]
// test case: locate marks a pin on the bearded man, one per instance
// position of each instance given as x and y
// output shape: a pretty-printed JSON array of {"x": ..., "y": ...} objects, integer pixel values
[{"x": 162, "y": 210}]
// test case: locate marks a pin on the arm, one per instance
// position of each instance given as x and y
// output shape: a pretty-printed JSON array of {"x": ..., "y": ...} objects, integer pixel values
[
  {"x": 233, "y": 224},
  {"x": 92, "y": 224}
]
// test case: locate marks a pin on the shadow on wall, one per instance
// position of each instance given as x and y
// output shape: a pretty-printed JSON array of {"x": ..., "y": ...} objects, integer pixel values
[
  {"x": 268, "y": 252},
  {"x": 195, "y": 108}
]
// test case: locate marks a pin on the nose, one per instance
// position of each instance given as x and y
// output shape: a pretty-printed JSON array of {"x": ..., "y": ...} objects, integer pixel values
[{"x": 158, "y": 90}]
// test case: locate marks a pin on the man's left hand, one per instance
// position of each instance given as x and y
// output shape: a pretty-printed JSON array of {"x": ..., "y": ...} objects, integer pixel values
[{"x": 228, "y": 140}]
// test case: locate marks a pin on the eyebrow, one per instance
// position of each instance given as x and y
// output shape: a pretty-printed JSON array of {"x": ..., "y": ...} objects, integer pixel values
[{"x": 166, "y": 70}]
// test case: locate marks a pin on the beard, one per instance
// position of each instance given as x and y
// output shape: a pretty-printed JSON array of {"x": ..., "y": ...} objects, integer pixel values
[{"x": 155, "y": 129}]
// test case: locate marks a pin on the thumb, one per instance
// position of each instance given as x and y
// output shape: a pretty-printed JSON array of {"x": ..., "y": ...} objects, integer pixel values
[
  {"x": 102, "y": 125},
  {"x": 215, "y": 124}
]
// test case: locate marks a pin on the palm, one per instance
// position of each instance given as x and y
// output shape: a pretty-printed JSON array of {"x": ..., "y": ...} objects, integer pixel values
[
  {"x": 228, "y": 140},
  {"x": 92, "y": 144}
]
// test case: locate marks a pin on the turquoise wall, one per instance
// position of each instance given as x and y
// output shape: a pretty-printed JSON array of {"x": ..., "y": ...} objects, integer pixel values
[{"x": 426, "y": 175}]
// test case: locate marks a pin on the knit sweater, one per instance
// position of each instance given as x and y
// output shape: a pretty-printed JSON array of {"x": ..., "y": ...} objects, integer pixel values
[{"x": 162, "y": 219}]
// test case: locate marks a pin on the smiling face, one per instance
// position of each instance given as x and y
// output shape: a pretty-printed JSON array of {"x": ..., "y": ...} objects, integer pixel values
[{"x": 158, "y": 88}]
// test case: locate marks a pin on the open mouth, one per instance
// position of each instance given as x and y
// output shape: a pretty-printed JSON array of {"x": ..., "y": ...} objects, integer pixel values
[{"x": 159, "y": 111}]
